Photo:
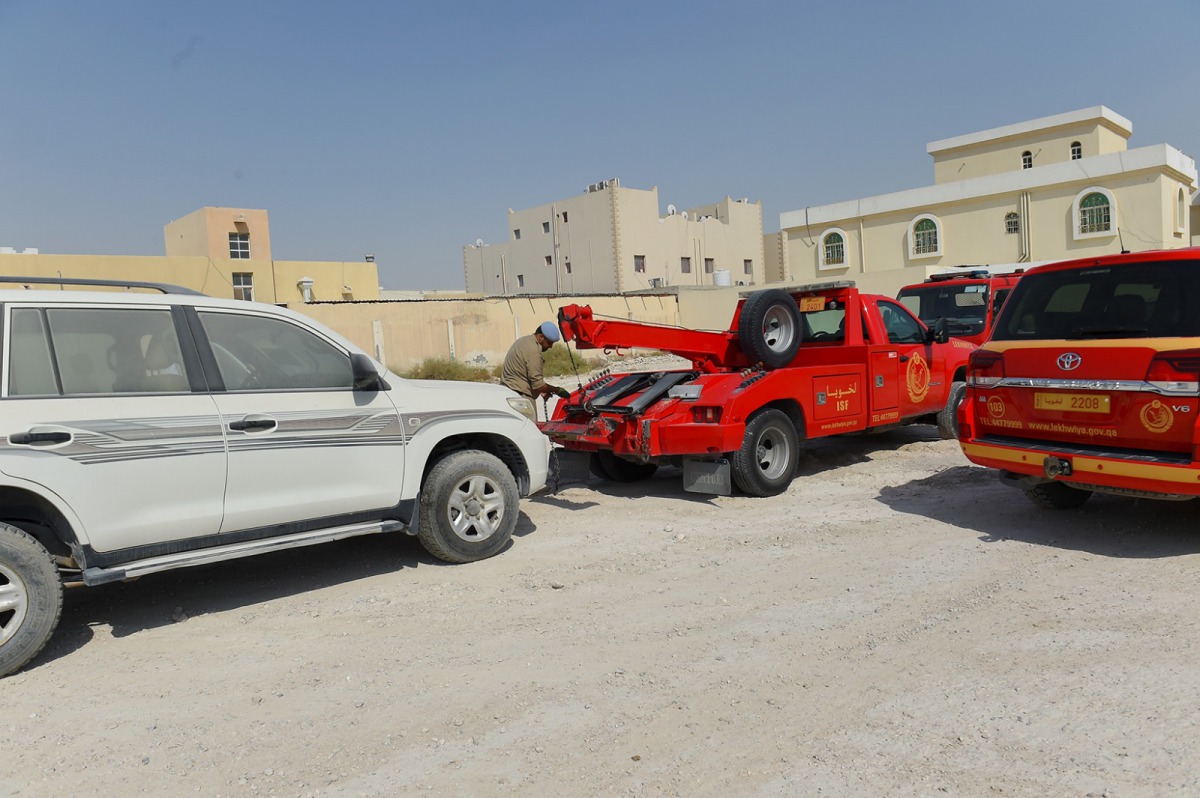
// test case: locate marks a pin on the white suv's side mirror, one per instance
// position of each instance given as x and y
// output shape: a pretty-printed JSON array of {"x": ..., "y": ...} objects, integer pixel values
[{"x": 366, "y": 376}]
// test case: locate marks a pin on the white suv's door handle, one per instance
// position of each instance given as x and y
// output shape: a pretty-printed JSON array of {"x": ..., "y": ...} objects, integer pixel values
[
  {"x": 254, "y": 423},
  {"x": 39, "y": 437}
]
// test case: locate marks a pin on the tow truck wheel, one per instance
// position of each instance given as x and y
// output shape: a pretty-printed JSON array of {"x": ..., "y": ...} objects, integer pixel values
[
  {"x": 30, "y": 598},
  {"x": 766, "y": 462},
  {"x": 947, "y": 417},
  {"x": 607, "y": 465},
  {"x": 769, "y": 328},
  {"x": 1057, "y": 496}
]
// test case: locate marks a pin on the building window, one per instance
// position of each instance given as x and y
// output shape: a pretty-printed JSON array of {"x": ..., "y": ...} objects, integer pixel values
[
  {"x": 1027, "y": 160},
  {"x": 685, "y": 265},
  {"x": 520, "y": 281},
  {"x": 833, "y": 249},
  {"x": 567, "y": 266},
  {"x": 564, "y": 217},
  {"x": 925, "y": 237},
  {"x": 239, "y": 246},
  {"x": 709, "y": 265},
  {"x": 1094, "y": 212},
  {"x": 243, "y": 286},
  {"x": 517, "y": 235},
  {"x": 549, "y": 260},
  {"x": 748, "y": 266},
  {"x": 1076, "y": 150},
  {"x": 1012, "y": 223},
  {"x": 639, "y": 263},
  {"x": 545, "y": 227}
]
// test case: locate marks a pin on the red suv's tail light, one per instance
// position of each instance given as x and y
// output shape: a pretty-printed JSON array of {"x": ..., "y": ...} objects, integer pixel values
[
  {"x": 1177, "y": 371},
  {"x": 985, "y": 368}
]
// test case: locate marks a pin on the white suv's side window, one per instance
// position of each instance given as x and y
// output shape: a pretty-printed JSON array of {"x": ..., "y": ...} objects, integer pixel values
[
  {"x": 82, "y": 351},
  {"x": 255, "y": 353}
]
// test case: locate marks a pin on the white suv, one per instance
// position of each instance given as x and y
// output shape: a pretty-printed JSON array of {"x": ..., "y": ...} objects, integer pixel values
[{"x": 143, "y": 432}]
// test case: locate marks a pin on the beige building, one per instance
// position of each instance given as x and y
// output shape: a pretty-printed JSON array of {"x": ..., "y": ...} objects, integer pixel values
[
  {"x": 613, "y": 239},
  {"x": 1058, "y": 187},
  {"x": 222, "y": 252}
]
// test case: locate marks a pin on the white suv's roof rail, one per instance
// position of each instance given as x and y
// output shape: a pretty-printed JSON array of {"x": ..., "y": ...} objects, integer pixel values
[{"x": 165, "y": 288}]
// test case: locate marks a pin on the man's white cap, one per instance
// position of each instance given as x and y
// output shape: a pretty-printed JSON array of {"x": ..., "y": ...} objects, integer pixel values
[{"x": 550, "y": 330}]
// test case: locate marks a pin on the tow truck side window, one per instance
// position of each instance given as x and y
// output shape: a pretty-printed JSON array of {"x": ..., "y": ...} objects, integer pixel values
[{"x": 901, "y": 327}]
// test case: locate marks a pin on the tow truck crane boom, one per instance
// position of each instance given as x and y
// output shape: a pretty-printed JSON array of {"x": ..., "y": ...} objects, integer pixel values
[{"x": 709, "y": 352}]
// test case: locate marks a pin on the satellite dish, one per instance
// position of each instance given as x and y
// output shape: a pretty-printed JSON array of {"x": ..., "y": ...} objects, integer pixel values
[
  {"x": 684, "y": 214},
  {"x": 670, "y": 210},
  {"x": 479, "y": 242}
]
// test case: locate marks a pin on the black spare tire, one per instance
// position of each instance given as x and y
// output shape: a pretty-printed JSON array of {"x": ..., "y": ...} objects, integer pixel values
[{"x": 769, "y": 328}]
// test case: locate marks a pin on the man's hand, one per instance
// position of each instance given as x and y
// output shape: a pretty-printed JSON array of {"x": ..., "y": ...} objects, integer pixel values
[{"x": 562, "y": 393}]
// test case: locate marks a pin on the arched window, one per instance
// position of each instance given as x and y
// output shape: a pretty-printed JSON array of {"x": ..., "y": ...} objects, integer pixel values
[
  {"x": 1076, "y": 150},
  {"x": 1027, "y": 160},
  {"x": 1094, "y": 212},
  {"x": 1012, "y": 222},
  {"x": 925, "y": 237},
  {"x": 833, "y": 249}
]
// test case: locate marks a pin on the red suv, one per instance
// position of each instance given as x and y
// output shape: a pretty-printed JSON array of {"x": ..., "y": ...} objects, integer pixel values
[
  {"x": 1090, "y": 380},
  {"x": 968, "y": 298}
]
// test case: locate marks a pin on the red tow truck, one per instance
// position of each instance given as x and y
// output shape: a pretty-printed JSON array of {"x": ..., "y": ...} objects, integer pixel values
[{"x": 797, "y": 363}]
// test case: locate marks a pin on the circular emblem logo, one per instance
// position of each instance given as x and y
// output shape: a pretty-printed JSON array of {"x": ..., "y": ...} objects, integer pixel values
[
  {"x": 1069, "y": 361},
  {"x": 917, "y": 378},
  {"x": 995, "y": 407},
  {"x": 1157, "y": 417}
]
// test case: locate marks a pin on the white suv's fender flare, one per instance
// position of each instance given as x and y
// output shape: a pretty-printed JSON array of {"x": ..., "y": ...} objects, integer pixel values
[
  {"x": 426, "y": 431},
  {"x": 78, "y": 532}
]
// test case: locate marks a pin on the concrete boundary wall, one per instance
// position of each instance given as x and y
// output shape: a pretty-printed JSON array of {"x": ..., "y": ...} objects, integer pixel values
[{"x": 477, "y": 331}]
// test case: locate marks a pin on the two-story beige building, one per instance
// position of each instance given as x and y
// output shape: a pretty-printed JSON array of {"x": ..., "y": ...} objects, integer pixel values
[
  {"x": 1057, "y": 187},
  {"x": 613, "y": 239},
  {"x": 222, "y": 252}
]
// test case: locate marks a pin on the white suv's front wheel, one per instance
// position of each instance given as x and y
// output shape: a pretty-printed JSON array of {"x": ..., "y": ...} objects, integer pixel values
[
  {"x": 30, "y": 598},
  {"x": 468, "y": 507}
]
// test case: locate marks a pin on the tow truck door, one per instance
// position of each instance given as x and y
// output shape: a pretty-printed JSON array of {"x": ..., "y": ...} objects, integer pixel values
[{"x": 919, "y": 363}]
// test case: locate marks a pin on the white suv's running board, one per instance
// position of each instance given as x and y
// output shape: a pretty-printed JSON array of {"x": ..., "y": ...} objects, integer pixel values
[{"x": 187, "y": 559}]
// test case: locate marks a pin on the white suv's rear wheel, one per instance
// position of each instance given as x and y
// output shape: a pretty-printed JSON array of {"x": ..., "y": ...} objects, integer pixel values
[
  {"x": 468, "y": 507},
  {"x": 30, "y": 598}
]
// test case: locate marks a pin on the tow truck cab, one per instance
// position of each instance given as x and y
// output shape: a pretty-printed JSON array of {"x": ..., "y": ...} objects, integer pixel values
[{"x": 969, "y": 298}]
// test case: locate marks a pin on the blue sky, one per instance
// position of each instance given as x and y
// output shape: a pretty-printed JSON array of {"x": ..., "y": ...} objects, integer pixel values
[{"x": 408, "y": 129}]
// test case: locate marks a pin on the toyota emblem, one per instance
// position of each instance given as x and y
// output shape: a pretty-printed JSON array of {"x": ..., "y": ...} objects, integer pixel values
[{"x": 1069, "y": 361}]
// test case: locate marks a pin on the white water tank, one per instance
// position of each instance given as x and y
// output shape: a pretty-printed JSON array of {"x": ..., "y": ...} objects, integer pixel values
[{"x": 721, "y": 277}]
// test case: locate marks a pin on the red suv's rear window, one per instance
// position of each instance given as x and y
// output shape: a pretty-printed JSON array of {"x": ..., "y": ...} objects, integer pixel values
[{"x": 1152, "y": 299}]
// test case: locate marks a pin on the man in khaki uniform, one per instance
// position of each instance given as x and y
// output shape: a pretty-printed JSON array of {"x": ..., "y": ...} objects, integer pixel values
[{"x": 522, "y": 370}]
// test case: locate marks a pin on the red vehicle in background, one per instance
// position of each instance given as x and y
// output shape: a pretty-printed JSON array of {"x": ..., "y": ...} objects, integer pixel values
[
  {"x": 969, "y": 298},
  {"x": 754, "y": 393},
  {"x": 1090, "y": 382}
]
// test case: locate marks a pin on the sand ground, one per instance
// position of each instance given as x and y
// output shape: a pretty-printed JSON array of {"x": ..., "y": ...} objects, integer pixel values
[{"x": 897, "y": 623}]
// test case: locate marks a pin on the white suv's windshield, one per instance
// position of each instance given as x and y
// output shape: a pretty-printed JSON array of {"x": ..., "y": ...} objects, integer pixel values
[{"x": 1133, "y": 300}]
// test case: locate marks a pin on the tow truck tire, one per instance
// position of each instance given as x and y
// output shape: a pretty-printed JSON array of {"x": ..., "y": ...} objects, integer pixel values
[
  {"x": 469, "y": 506},
  {"x": 769, "y": 328},
  {"x": 766, "y": 462},
  {"x": 30, "y": 598},
  {"x": 607, "y": 465},
  {"x": 947, "y": 417},
  {"x": 1057, "y": 496}
]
